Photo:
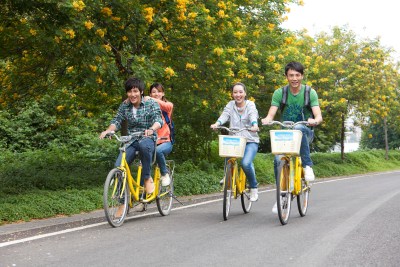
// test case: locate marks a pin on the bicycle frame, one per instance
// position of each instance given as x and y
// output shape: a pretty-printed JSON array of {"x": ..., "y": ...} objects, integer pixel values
[
  {"x": 238, "y": 178},
  {"x": 295, "y": 174}
]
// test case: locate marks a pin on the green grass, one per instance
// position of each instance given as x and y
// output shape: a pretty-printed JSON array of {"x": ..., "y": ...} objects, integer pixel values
[{"x": 43, "y": 184}]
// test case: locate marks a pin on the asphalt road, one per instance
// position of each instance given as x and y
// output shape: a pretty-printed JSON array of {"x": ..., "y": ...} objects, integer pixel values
[{"x": 351, "y": 221}]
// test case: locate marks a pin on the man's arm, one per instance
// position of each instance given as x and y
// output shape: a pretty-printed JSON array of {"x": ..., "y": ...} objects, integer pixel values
[
  {"x": 271, "y": 114},
  {"x": 316, "y": 110}
]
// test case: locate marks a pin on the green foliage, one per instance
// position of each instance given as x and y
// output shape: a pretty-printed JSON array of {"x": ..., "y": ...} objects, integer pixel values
[{"x": 374, "y": 137}]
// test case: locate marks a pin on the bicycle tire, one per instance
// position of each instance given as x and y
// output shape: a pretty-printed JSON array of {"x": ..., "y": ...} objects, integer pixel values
[
  {"x": 245, "y": 197},
  {"x": 115, "y": 195},
  {"x": 302, "y": 198},
  {"x": 164, "y": 197},
  {"x": 228, "y": 194},
  {"x": 283, "y": 194}
]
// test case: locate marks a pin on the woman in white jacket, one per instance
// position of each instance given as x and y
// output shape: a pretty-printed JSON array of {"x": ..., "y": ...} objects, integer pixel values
[{"x": 242, "y": 113}]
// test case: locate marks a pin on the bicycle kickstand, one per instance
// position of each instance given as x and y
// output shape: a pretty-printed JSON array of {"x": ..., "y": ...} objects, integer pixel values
[{"x": 174, "y": 197}]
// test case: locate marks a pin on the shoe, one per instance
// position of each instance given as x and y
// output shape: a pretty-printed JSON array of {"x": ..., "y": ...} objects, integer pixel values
[
  {"x": 275, "y": 208},
  {"x": 140, "y": 207},
  {"x": 149, "y": 185},
  {"x": 253, "y": 194},
  {"x": 309, "y": 174},
  {"x": 221, "y": 182},
  {"x": 165, "y": 179}
]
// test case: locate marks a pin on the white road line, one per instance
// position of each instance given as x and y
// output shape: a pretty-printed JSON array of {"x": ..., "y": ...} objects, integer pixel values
[{"x": 9, "y": 243}]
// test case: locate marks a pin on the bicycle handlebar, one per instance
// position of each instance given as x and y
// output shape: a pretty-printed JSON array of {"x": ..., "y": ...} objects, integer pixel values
[
  {"x": 125, "y": 139},
  {"x": 233, "y": 130},
  {"x": 287, "y": 124}
]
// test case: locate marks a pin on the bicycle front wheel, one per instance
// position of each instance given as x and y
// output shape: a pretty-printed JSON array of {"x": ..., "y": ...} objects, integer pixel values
[
  {"x": 228, "y": 194},
  {"x": 283, "y": 194},
  {"x": 245, "y": 195},
  {"x": 164, "y": 198},
  {"x": 302, "y": 198},
  {"x": 115, "y": 198}
]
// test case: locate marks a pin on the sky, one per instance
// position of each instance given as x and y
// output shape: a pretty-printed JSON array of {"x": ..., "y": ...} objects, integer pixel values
[{"x": 367, "y": 18}]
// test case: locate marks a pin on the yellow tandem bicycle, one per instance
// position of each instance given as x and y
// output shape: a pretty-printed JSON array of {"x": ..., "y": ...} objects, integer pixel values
[{"x": 121, "y": 189}]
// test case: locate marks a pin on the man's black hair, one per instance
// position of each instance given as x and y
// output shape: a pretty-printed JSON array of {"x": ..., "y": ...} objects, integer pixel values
[
  {"x": 294, "y": 66},
  {"x": 134, "y": 83}
]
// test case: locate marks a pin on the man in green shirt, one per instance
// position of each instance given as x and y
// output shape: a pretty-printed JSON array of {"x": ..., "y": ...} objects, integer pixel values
[{"x": 295, "y": 111}]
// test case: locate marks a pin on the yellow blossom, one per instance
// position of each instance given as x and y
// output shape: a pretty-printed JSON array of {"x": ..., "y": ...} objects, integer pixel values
[
  {"x": 252, "y": 99},
  {"x": 256, "y": 33},
  {"x": 169, "y": 72},
  {"x": 23, "y": 20},
  {"x": 239, "y": 34},
  {"x": 107, "y": 47},
  {"x": 60, "y": 108},
  {"x": 89, "y": 24},
  {"x": 124, "y": 38},
  {"x": 116, "y": 18},
  {"x": 106, "y": 11},
  {"x": 99, "y": 80},
  {"x": 100, "y": 32},
  {"x": 57, "y": 39},
  {"x": 369, "y": 136},
  {"x": 190, "y": 66},
  {"x": 165, "y": 20},
  {"x": 70, "y": 69},
  {"x": 192, "y": 15},
  {"x": 218, "y": 51},
  {"x": 221, "y": 14},
  {"x": 78, "y": 5},
  {"x": 271, "y": 58},
  {"x": 271, "y": 26},
  {"x": 159, "y": 45},
  {"x": 93, "y": 68},
  {"x": 205, "y": 103},
  {"x": 33, "y": 32},
  {"x": 148, "y": 14},
  {"x": 70, "y": 33}
]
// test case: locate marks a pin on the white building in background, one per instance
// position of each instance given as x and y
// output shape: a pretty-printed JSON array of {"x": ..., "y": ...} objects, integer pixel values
[{"x": 352, "y": 137}]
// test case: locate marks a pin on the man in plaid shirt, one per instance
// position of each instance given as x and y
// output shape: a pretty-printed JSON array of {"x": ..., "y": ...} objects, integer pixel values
[{"x": 143, "y": 116}]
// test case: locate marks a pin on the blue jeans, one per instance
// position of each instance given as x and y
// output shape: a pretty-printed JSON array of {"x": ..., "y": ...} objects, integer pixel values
[
  {"x": 308, "y": 137},
  {"x": 247, "y": 163},
  {"x": 162, "y": 151},
  {"x": 146, "y": 148}
]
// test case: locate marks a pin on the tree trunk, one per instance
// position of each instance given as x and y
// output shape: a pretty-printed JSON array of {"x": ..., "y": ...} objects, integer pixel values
[
  {"x": 342, "y": 138},
  {"x": 386, "y": 139}
]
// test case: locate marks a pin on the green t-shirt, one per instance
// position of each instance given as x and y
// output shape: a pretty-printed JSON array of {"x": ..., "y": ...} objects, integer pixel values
[{"x": 294, "y": 109}]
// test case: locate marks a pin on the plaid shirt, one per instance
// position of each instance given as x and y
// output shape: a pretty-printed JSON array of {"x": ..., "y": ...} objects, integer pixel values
[{"x": 146, "y": 115}]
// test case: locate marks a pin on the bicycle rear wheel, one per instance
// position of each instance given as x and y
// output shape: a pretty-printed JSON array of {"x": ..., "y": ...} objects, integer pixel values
[
  {"x": 228, "y": 194},
  {"x": 164, "y": 197},
  {"x": 245, "y": 196},
  {"x": 302, "y": 198},
  {"x": 115, "y": 198},
  {"x": 283, "y": 194}
]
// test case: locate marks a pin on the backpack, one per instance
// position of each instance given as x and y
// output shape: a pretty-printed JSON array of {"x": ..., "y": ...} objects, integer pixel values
[
  {"x": 307, "y": 103},
  {"x": 171, "y": 126}
]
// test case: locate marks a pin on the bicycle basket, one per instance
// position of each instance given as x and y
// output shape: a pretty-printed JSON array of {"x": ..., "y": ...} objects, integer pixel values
[
  {"x": 231, "y": 146},
  {"x": 285, "y": 141}
]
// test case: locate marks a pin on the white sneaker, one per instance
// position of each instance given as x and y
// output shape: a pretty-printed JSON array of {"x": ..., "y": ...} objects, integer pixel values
[
  {"x": 275, "y": 208},
  {"x": 253, "y": 194},
  {"x": 309, "y": 174},
  {"x": 221, "y": 182},
  {"x": 165, "y": 180}
]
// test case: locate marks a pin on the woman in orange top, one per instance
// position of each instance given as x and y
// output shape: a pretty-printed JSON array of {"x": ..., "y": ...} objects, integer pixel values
[{"x": 164, "y": 146}]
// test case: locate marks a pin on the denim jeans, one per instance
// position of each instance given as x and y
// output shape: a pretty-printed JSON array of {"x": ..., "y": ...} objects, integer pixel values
[
  {"x": 308, "y": 137},
  {"x": 162, "y": 151},
  {"x": 146, "y": 148},
  {"x": 247, "y": 163}
]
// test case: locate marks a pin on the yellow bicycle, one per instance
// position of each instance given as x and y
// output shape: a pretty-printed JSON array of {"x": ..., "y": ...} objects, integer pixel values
[
  {"x": 234, "y": 182},
  {"x": 290, "y": 181},
  {"x": 122, "y": 189}
]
